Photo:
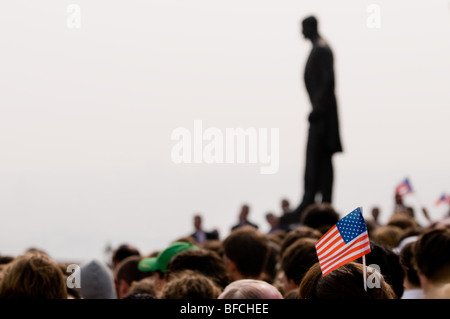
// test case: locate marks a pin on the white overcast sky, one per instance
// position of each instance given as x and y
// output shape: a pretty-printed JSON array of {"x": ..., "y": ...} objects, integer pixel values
[{"x": 87, "y": 114}]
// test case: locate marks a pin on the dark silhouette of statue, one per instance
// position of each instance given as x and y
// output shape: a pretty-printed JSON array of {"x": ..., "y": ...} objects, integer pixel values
[{"x": 323, "y": 136}]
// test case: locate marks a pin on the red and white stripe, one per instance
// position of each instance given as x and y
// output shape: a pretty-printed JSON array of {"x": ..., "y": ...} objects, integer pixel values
[{"x": 333, "y": 252}]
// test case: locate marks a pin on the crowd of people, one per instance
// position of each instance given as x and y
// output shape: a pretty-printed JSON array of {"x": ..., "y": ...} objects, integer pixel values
[{"x": 407, "y": 261}]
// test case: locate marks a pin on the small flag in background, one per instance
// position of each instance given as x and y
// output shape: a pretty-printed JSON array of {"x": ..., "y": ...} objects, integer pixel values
[
  {"x": 404, "y": 188},
  {"x": 443, "y": 199},
  {"x": 344, "y": 242}
]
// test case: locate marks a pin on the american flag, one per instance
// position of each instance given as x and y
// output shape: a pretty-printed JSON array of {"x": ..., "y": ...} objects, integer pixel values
[
  {"x": 404, "y": 188},
  {"x": 443, "y": 199},
  {"x": 344, "y": 242}
]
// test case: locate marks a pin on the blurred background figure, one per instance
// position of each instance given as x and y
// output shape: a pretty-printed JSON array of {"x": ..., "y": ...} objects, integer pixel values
[
  {"x": 376, "y": 215},
  {"x": 323, "y": 135},
  {"x": 273, "y": 221},
  {"x": 201, "y": 235},
  {"x": 122, "y": 252},
  {"x": 243, "y": 218}
]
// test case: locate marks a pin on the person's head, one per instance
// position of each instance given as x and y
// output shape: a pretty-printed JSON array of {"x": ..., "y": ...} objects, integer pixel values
[
  {"x": 320, "y": 216},
  {"x": 250, "y": 289},
  {"x": 406, "y": 260},
  {"x": 296, "y": 261},
  {"x": 146, "y": 286},
  {"x": 32, "y": 276},
  {"x": 285, "y": 205},
  {"x": 398, "y": 198},
  {"x": 243, "y": 214},
  {"x": 375, "y": 213},
  {"x": 270, "y": 268},
  {"x": 245, "y": 250},
  {"x": 297, "y": 233},
  {"x": 205, "y": 261},
  {"x": 345, "y": 282},
  {"x": 213, "y": 245},
  {"x": 402, "y": 220},
  {"x": 126, "y": 273},
  {"x": 158, "y": 265},
  {"x": 160, "y": 262},
  {"x": 198, "y": 222},
  {"x": 389, "y": 265},
  {"x": 272, "y": 220},
  {"x": 310, "y": 27},
  {"x": 432, "y": 259},
  {"x": 97, "y": 281},
  {"x": 190, "y": 284},
  {"x": 387, "y": 235},
  {"x": 123, "y": 251}
]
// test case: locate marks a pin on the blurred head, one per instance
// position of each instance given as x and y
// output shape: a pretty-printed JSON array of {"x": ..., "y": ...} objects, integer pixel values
[
  {"x": 285, "y": 205},
  {"x": 309, "y": 27},
  {"x": 432, "y": 257},
  {"x": 197, "y": 222},
  {"x": 32, "y": 276},
  {"x": 246, "y": 251},
  {"x": 250, "y": 289},
  {"x": 345, "y": 282},
  {"x": 244, "y": 212},
  {"x": 272, "y": 220},
  {"x": 122, "y": 252},
  {"x": 190, "y": 284}
]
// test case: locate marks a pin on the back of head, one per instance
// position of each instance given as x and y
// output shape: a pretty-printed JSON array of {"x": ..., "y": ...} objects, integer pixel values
[
  {"x": 250, "y": 289},
  {"x": 298, "y": 258},
  {"x": 310, "y": 26},
  {"x": 389, "y": 264},
  {"x": 320, "y": 216},
  {"x": 402, "y": 220},
  {"x": 128, "y": 270},
  {"x": 213, "y": 245},
  {"x": 345, "y": 282},
  {"x": 311, "y": 22},
  {"x": 247, "y": 247},
  {"x": 202, "y": 260},
  {"x": 297, "y": 233},
  {"x": 146, "y": 286},
  {"x": 32, "y": 276},
  {"x": 190, "y": 284},
  {"x": 122, "y": 252},
  {"x": 387, "y": 235},
  {"x": 406, "y": 260},
  {"x": 96, "y": 281},
  {"x": 432, "y": 255}
]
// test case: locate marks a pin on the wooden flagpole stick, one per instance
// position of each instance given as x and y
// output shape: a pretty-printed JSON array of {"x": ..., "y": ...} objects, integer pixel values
[{"x": 364, "y": 272}]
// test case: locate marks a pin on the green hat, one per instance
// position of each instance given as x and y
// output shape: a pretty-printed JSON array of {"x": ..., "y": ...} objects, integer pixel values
[{"x": 162, "y": 260}]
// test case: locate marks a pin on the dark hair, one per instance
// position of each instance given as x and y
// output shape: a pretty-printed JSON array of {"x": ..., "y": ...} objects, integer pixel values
[
  {"x": 247, "y": 247},
  {"x": 320, "y": 216},
  {"x": 124, "y": 251},
  {"x": 345, "y": 282},
  {"x": 432, "y": 253},
  {"x": 205, "y": 261},
  {"x": 389, "y": 263},
  {"x": 128, "y": 270},
  {"x": 298, "y": 258},
  {"x": 297, "y": 233},
  {"x": 406, "y": 259},
  {"x": 311, "y": 22}
]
